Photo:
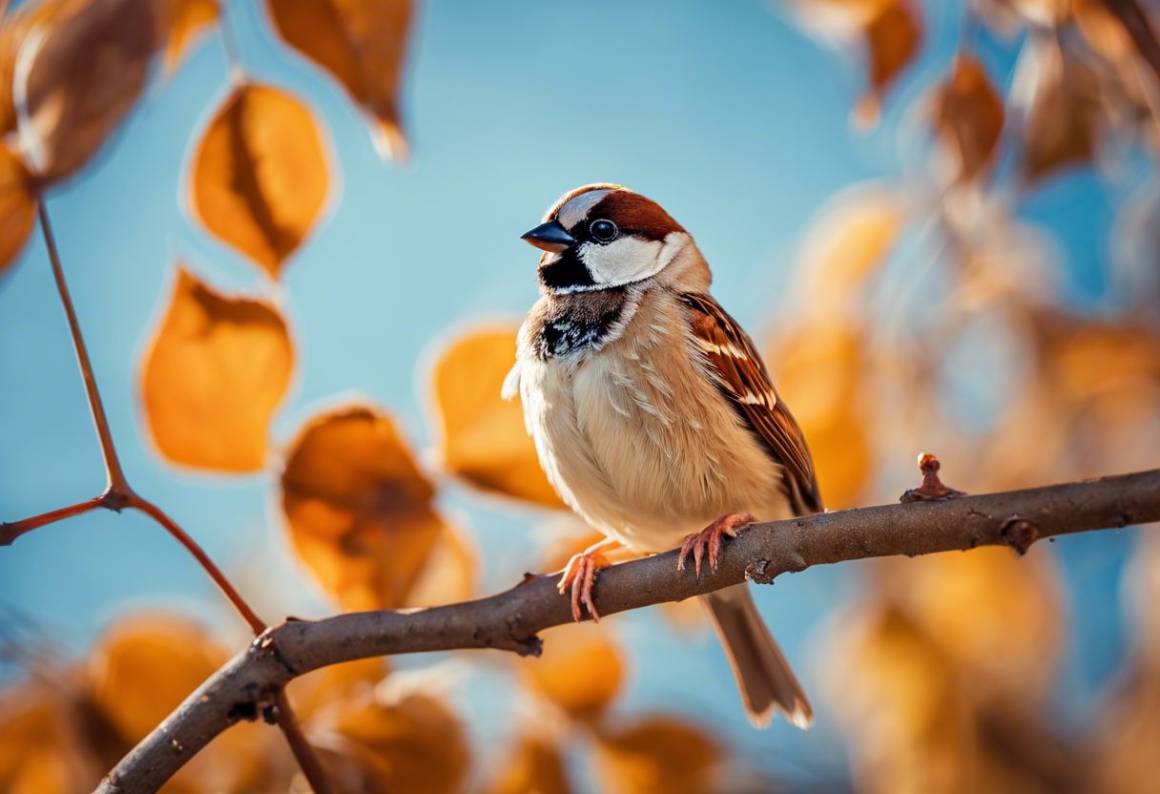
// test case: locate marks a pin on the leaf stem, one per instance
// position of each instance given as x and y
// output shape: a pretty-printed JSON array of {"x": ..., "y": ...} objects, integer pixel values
[
  {"x": 11, "y": 530},
  {"x": 113, "y": 471}
]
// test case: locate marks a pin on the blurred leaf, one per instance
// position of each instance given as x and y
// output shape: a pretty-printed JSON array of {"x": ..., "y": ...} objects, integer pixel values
[
  {"x": 1047, "y": 13},
  {"x": 39, "y": 753},
  {"x": 17, "y": 207},
  {"x": 333, "y": 687},
  {"x": 532, "y": 766},
  {"x": 362, "y": 44},
  {"x": 655, "y": 754},
  {"x": 580, "y": 670},
  {"x": 145, "y": 665},
  {"x": 1129, "y": 727},
  {"x": 416, "y": 744},
  {"x": 260, "y": 176},
  {"x": 968, "y": 117},
  {"x": 819, "y": 368},
  {"x": 847, "y": 243},
  {"x": 1060, "y": 95},
  {"x": 141, "y": 670},
  {"x": 483, "y": 439},
  {"x": 215, "y": 373},
  {"x": 82, "y": 66},
  {"x": 995, "y": 615},
  {"x": 185, "y": 21},
  {"x": 892, "y": 38},
  {"x": 450, "y": 574},
  {"x": 359, "y": 511}
]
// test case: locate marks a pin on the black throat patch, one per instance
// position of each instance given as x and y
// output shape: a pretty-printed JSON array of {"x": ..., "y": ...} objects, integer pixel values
[
  {"x": 571, "y": 323},
  {"x": 565, "y": 271}
]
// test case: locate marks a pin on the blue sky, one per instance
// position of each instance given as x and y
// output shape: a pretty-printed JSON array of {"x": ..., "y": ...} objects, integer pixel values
[{"x": 725, "y": 112}]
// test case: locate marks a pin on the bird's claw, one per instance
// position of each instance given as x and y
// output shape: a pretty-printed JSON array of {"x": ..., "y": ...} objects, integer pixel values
[
  {"x": 580, "y": 577},
  {"x": 707, "y": 542}
]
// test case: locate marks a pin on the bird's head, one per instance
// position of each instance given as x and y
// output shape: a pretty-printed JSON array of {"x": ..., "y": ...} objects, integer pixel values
[{"x": 601, "y": 236}]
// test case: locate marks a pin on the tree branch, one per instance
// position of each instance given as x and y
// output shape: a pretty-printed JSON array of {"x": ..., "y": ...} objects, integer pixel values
[{"x": 252, "y": 681}]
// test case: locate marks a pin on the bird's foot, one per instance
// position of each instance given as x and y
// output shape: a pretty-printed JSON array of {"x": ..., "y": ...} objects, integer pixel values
[
  {"x": 707, "y": 542},
  {"x": 580, "y": 577}
]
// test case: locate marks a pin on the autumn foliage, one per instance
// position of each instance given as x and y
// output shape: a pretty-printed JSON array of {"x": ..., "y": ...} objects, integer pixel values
[{"x": 894, "y": 284}]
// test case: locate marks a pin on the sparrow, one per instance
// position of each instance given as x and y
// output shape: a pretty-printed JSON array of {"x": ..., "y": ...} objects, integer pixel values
[{"x": 654, "y": 416}]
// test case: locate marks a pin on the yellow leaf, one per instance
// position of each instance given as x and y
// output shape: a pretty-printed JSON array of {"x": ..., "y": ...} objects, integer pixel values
[
  {"x": 358, "y": 509},
  {"x": 331, "y": 688},
  {"x": 819, "y": 368},
  {"x": 657, "y": 754},
  {"x": 580, "y": 670},
  {"x": 17, "y": 207},
  {"x": 362, "y": 44},
  {"x": 533, "y": 766},
  {"x": 483, "y": 438},
  {"x": 214, "y": 375},
  {"x": 968, "y": 117},
  {"x": 185, "y": 21},
  {"x": 87, "y": 63},
  {"x": 994, "y": 614},
  {"x": 450, "y": 573},
  {"x": 847, "y": 242},
  {"x": 260, "y": 176},
  {"x": 416, "y": 744}
]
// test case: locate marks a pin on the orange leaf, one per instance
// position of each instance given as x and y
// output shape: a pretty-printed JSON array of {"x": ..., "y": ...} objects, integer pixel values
[
  {"x": 892, "y": 39},
  {"x": 144, "y": 666},
  {"x": 483, "y": 439},
  {"x": 449, "y": 574},
  {"x": 657, "y": 754},
  {"x": 362, "y": 44},
  {"x": 185, "y": 21},
  {"x": 260, "y": 175},
  {"x": 215, "y": 373},
  {"x": 580, "y": 670},
  {"x": 533, "y": 765},
  {"x": 968, "y": 117},
  {"x": 39, "y": 753},
  {"x": 87, "y": 65},
  {"x": 416, "y": 744},
  {"x": 358, "y": 509},
  {"x": 819, "y": 368},
  {"x": 17, "y": 207}
]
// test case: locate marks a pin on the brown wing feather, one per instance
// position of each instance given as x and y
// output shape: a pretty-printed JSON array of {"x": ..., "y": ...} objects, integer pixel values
[{"x": 745, "y": 381}]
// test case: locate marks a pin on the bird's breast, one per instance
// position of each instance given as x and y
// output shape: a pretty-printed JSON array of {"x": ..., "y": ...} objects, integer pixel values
[{"x": 638, "y": 440}]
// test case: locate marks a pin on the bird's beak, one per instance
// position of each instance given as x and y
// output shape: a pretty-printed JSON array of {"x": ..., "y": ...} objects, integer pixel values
[{"x": 549, "y": 236}]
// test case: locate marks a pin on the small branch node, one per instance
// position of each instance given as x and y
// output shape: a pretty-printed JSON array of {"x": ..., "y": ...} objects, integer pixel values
[
  {"x": 932, "y": 488},
  {"x": 1019, "y": 534},
  {"x": 758, "y": 571}
]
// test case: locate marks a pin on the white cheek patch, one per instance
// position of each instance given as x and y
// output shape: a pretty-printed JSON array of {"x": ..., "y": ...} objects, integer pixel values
[
  {"x": 576, "y": 210},
  {"x": 629, "y": 258}
]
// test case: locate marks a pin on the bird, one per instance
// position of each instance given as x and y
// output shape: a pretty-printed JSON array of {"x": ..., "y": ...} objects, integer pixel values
[{"x": 654, "y": 416}]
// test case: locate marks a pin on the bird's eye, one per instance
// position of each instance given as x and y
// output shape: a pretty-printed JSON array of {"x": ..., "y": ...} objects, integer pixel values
[{"x": 603, "y": 230}]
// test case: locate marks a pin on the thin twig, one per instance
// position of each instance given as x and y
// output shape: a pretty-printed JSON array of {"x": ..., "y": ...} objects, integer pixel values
[
  {"x": 303, "y": 752},
  {"x": 257, "y": 625},
  {"x": 510, "y": 620},
  {"x": 113, "y": 471},
  {"x": 11, "y": 530}
]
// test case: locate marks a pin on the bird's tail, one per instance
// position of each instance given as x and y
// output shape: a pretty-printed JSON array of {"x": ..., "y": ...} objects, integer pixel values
[{"x": 762, "y": 672}]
